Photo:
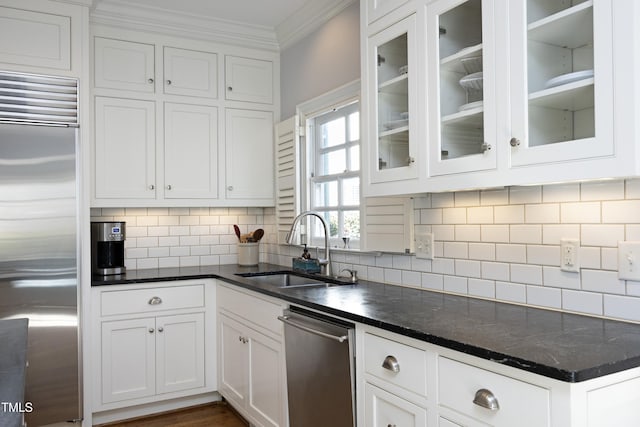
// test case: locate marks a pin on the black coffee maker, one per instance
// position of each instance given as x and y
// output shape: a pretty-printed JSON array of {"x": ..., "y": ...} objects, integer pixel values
[{"x": 107, "y": 248}]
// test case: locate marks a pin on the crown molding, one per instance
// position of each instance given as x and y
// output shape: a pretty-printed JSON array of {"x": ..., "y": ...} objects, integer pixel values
[
  {"x": 120, "y": 13},
  {"x": 308, "y": 19}
]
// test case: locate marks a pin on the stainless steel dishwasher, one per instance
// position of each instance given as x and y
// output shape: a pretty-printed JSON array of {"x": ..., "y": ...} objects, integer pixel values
[{"x": 320, "y": 369}]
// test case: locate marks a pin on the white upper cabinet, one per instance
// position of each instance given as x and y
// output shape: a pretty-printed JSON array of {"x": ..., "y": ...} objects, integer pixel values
[
  {"x": 390, "y": 105},
  {"x": 191, "y": 73},
  {"x": 190, "y": 151},
  {"x": 378, "y": 8},
  {"x": 249, "y": 153},
  {"x": 124, "y": 65},
  {"x": 461, "y": 52},
  {"x": 248, "y": 80},
  {"x": 561, "y": 81}
]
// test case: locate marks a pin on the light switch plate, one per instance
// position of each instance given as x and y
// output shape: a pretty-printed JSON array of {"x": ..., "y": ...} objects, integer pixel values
[
  {"x": 629, "y": 261},
  {"x": 424, "y": 245}
]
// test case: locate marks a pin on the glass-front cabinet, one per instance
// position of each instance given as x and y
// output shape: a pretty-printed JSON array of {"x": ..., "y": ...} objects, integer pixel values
[
  {"x": 461, "y": 93},
  {"x": 561, "y": 80},
  {"x": 392, "y": 103}
]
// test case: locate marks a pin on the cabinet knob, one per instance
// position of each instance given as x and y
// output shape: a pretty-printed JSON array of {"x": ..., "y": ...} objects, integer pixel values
[
  {"x": 229, "y": 88},
  {"x": 391, "y": 425},
  {"x": 391, "y": 363},
  {"x": 169, "y": 187},
  {"x": 168, "y": 82},
  {"x": 514, "y": 142},
  {"x": 155, "y": 301},
  {"x": 486, "y": 399},
  {"x": 150, "y": 81},
  {"x": 411, "y": 160},
  {"x": 152, "y": 187},
  {"x": 230, "y": 188},
  {"x": 151, "y": 330},
  {"x": 486, "y": 147},
  {"x": 160, "y": 329}
]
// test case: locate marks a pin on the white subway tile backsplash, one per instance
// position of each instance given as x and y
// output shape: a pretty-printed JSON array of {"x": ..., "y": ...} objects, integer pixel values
[
  {"x": 411, "y": 278},
  {"x": 511, "y": 253},
  {"x": 455, "y": 284},
  {"x": 430, "y": 216},
  {"x": 433, "y": 281},
  {"x": 580, "y": 213},
  {"x": 375, "y": 274},
  {"x": 467, "y": 268},
  {"x": 443, "y": 232},
  {"x": 454, "y": 216},
  {"x": 561, "y": 193},
  {"x": 482, "y": 288},
  {"x": 543, "y": 255},
  {"x": 528, "y": 274},
  {"x": 552, "y": 233},
  {"x": 602, "y": 190},
  {"x": 467, "y": 233},
  {"x": 605, "y": 282},
  {"x": 392, "y": 276},
  {"x": 544, "y": 297},
  {"x": 582, "y": 302},
  {"x": 466, "y": 198},
  {"x": 495, "y": 271},
  {"x": 530, "y": 234},
  {"x": 401, "y": 262},
  {"x": 548, "y": 213},
  {"x": 521, "y": 195},
  {"x": 494, "y": 197},
  {"x": 443, "y": 266},
  {"x": 482, "y": 251},
  {"x": 590, "y": 257},
  {"x": 442, "y": 200},
  {"x": 609, "y": 259},
  {"x": 419, "y": 264},
  {"x": 494, "y": 233},
  {"x": 619, "y": 212},
  {"x": 632, "y": 188},
  {"x": 512, "y": 292},
  {"x": 601, "y": 234},
  {"x": 456, "y": 250},
  {"x": 556, "y": 278},
  {"x": 480, "y": 215},
  {"x": 509, "y": 214},
  {"x": 632, "y": 232},
  {"x": 622, "y": 307}
]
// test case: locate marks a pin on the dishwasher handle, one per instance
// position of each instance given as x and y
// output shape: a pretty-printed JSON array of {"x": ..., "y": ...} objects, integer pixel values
[{"x": 286, "y": 319}]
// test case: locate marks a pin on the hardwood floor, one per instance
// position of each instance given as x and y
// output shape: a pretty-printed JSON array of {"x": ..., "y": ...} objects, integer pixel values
[{"x": 218, "y": 414}]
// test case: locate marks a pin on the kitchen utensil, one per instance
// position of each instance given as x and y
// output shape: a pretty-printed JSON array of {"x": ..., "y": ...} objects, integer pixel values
[
  {"x": 257, "y": 235},
  {"x": 237, "y": 231},
  {"x": 246, "y": 238}
]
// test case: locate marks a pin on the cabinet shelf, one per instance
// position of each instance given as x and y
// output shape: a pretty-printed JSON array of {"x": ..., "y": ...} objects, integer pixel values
[
  {"x": 469, "y": 118},
  {"x": 571, "y": 97},
  {"x": 571, "y": 28},
  {"x": 395, "y": 131},
  {"x": 395, "y": 85},
  {"x": 453, "y": 62}
]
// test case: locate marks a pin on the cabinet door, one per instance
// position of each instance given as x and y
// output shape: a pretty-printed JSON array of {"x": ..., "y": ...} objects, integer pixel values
[
  {"x": 124, "y": 65},
  {"x": 378, "y": 8},
  {"x": 561, "y": 81},
  {"x": 462, "y": 94},
  {"x": 125, "y": 149},
  {"x": 35, "y": 39},
  {"x": 266, "y": 380},
  {"x": 190, "y": 72},
  {"x": 384, "y": 409},
  {"x": 128, "y": 359},
  {"x": 190, "y": 151},
  {"x": 392, "y": 103},
  {"x": 180, "y": 352},
  {"x": 249, "y": 154},
  {"x": 248, "y": 80},
  {"x": 234, "y": 360}
]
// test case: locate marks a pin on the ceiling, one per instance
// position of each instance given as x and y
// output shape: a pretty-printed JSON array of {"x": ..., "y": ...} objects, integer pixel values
[
  {"x": 267, "y": 13},
  {"x": 267, "y": 23}
]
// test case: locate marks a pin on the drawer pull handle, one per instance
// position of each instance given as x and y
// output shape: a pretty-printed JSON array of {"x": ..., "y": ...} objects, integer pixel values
[
  {"x": 160, "y": 329},
  {"x": 391, "y": 425},
  {"x": 391, "y": 363},
  {"x": 151, "y": 330},
  {"x": 486, "y": 399},
  {"x": 155, "y": 301}
]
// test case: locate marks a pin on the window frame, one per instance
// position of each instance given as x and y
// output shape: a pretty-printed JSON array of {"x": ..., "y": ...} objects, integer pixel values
[{"x": 307, "y": 112}]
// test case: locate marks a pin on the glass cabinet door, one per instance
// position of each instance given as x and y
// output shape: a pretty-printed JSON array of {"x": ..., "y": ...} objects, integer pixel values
[
  {"x": 562, "y": 80},
  {"x": 461, "y": 91},
  {"x": 393, "y": 101}
]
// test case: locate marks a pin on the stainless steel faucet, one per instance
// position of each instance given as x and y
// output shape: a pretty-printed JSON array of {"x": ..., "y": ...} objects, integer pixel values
[{"x": 326, "y": 262}]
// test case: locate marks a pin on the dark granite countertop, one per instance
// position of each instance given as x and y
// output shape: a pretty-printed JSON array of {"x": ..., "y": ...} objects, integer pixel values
[{"x": 567, "y": 347}]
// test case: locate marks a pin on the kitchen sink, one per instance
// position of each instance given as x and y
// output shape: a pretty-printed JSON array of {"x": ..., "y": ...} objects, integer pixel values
[{"x": 289, "y": 279}]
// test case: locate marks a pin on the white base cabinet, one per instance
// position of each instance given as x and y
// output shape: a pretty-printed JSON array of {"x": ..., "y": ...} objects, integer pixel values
[
  {"x": 251, "y": 356},
  {"x": 405, "y": 382},
  {"x": 153, "y": 342}
]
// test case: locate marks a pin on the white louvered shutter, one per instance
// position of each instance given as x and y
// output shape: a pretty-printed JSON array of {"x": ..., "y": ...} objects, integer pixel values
[
  {"x": 388, "y": 224},
  {"x": 287, "y": 176}
]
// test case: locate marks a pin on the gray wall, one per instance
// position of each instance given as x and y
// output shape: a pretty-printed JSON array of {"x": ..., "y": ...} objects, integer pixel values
[{"x": 322, "y": 61}]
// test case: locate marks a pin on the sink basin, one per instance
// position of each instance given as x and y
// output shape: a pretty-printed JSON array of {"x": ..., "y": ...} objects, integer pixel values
[{"x": 289, "y": 279}]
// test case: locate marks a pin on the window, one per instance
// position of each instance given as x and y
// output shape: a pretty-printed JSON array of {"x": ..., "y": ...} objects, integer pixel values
[{"x": 334, "y": 174}]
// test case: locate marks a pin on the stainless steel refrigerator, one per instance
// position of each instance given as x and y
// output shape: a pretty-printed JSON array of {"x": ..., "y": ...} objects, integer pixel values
[{"x": 39, "y": 237}]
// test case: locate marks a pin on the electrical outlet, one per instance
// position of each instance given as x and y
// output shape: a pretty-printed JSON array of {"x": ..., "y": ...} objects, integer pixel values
[
  {"x": 424, "y": 245},
  {"x": 629, "y": 261},
  {"x": 569, "y": 255}
]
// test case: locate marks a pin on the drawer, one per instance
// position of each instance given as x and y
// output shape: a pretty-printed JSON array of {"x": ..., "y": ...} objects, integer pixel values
[
  {"x": 520, "y": 403},
  {"x": 411, "y": 363},
  {"x": 151, "y": 300},
  {"x": 257, "y": 310},
  {"x": 385, "y": 409}
]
